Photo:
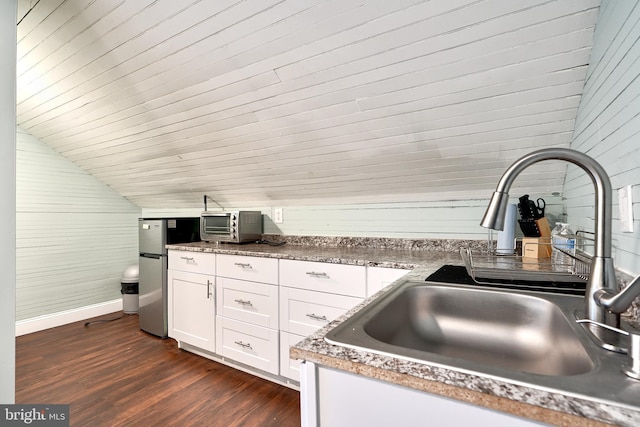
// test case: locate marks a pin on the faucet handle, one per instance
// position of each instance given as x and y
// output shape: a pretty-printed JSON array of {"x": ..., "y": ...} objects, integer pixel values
[{"x": 632, "y": 367}]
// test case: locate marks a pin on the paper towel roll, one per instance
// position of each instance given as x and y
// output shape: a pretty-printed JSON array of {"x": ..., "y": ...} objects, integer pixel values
[{"x": 506, "y": 238}]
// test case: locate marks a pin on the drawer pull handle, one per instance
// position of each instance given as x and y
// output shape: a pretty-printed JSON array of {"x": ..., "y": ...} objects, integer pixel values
[
  {"x": 243, "y": 264},
  {"x": 187, "y": 258},
  {"x": 316, "y": 317},
  {"x": 243, "y": 302},
  {"x": 317, "y": 274},
  {"x": 243, "y": 345}
]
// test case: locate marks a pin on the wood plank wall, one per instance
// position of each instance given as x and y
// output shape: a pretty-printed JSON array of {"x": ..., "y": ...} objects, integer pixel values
[
  {"x": 75, "y": 235},
  {"x": 608, "y": 125},
  {"x": 303, "y": 102}
]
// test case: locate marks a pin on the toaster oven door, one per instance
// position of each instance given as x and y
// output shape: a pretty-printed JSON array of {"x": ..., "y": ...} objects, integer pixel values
[{"x": 216, "y": 225}]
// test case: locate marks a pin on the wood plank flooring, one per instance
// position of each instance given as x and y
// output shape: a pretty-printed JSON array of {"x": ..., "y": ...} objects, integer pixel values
[{"x": 113, "y": 374}]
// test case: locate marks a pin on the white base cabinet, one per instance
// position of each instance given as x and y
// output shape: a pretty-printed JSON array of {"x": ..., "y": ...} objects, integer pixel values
[
  {"x": 250, "y": 310},
  {"x": 339, "y": 399}
]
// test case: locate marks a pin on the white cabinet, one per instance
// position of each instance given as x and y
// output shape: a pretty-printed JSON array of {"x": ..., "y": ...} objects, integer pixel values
[
  {"x": 313, "y": 294},
  {"x": 381, "y": 277},
  {"x": 191, "y": 310},
  {"x": 250, "y": 310},
  {"x": 247, "y": 321},
  {"x": 334, "y": 398}
]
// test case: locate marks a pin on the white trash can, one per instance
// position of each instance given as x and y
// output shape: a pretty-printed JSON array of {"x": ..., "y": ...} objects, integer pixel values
[{"x": 129, "y": 290}]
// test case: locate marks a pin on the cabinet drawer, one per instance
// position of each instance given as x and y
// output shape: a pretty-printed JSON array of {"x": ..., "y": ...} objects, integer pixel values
[
  {"x": 303, "y": 312},
  {"x": 252, "y": 302},
  {"x": 192, "y": 262},
  {"x": 289, "y": 367},
  {"x": 254, "y": 269},
  {"x": 319, "y": 276},
  {"x": 246, "y": 343}
]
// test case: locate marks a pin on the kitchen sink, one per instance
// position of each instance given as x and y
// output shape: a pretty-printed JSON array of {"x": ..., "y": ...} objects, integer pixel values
[{"x": 483, "y": 330}]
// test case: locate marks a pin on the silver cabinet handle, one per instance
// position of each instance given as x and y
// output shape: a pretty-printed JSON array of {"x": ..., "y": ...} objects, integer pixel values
[
  {"x": 317, "y": 274},
  {"x": 208, "y": 289},
  {"x": 187, "y": 258},
  {"x": 243, "y": 345},
  {"x": 242, "y": 264},
  {"x": 316, "y": 317},
  {"x": 243, "y": 302}
]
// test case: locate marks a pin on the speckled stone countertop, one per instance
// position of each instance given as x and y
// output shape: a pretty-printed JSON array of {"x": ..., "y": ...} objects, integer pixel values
[{"x": 423, "y": 258}]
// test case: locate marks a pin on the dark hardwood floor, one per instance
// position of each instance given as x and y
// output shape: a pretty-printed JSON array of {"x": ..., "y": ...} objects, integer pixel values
[{"x": 113, "y": 374}]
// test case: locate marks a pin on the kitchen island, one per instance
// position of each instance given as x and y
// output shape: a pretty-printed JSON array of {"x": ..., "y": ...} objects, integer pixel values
[{"x": 523, "y": 400}]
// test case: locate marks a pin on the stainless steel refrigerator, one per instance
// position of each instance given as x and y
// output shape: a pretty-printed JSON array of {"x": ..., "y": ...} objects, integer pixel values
[{"x": 153, "y": 235}]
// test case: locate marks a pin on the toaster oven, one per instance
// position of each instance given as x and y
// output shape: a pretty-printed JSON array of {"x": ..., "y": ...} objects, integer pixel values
[{"x": 231, "y": 227}]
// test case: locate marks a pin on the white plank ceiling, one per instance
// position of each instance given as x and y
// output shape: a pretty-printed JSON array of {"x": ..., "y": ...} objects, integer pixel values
[{"x": 270, "y": 102}]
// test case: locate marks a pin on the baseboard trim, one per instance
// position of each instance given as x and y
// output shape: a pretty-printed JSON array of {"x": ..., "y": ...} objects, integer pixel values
[{"x": 52, "y": 320}]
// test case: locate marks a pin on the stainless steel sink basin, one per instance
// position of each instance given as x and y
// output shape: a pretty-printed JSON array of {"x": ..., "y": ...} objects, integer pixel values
[{"x": 473, "y": 328}]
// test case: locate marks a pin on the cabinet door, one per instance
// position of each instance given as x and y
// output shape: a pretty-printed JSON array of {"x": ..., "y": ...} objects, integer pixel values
[
  {"x": 192, "y": 309},
  {"x": 339, "y": 399}
]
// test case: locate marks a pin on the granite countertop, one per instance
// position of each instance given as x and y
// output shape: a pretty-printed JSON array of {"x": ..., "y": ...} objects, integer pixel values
[{"x": 524, "y": 400}]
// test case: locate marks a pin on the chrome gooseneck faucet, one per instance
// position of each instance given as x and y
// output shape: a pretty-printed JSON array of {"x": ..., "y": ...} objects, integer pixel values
[{"x": 603, "y": 303}]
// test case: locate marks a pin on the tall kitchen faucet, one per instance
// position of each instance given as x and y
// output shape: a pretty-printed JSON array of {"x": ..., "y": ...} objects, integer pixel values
[{"x": 603, "y": 302}]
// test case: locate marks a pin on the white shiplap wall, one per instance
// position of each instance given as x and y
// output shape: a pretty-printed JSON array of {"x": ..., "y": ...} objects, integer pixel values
[
  {"x": 608, "y": 125},
  {"x": 75, "y": 235}
]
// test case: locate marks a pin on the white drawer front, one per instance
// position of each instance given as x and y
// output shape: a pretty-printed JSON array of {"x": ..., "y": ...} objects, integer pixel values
[
  {"x": 289, "y": 367},
  {"x": 254, "y": 269},
  {"x": 251, "y": 302},
  {"x": 303, "y": 312},
  {"x": 192, "y": 262},
  {"x": 249, "y": 344},
  {"x": 325, "y": 277}
]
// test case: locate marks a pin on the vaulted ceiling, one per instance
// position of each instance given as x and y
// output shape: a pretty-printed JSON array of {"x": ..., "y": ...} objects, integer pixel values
[{"x": 265, "y": 102}]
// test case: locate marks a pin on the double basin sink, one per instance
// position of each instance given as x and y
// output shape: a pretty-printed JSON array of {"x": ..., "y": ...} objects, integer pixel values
[{"x": 528, "y": 337}]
